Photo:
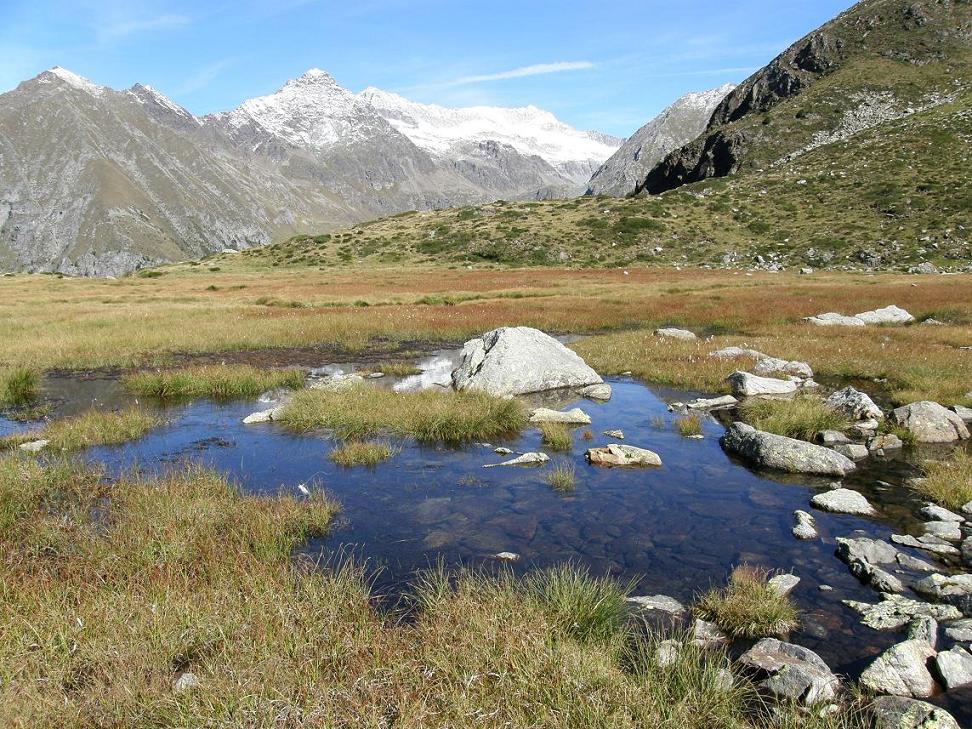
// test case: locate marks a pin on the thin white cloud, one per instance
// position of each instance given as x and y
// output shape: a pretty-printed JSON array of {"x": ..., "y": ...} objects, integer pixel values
[
  {"x": 204, "y": 76},
  {"x": 537, "y": 69},
  {"x": 125, "y": 28}
]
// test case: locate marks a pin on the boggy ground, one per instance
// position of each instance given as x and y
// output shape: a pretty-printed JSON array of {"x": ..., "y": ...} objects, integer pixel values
[{"x": 52, "y": 323}]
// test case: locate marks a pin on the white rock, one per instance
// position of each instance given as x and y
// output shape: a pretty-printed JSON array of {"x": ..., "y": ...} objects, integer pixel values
[
  {"x": 843, "y": 501},
  {"x": 597, "y": 392},
  {"x": 954, "y": 667},
  {"x": 947, "y": 530},
  {"x": 783, "y": 585},
  {"x": 615, "y": 454},
  {"x": 715, "y": 403},
  {"x": 34, "y": 446},
  {"x": 667, "y": 652},
  {"x": 790, "y": 671},
  {"x": 185, "y": 682},
  {"x": 744, "y": 383},
  {"x": 963, "y": 412},
  {"x": 527, "y": 459},
  {"x": 575, "y": 416},
  {"x": 940, "y": 513},
  {"x": 805, "y": 526},
  {"x": 854, "y": 451},
  {"x": 855, "y": 404},
  {"x": 898, "y": 712},
  {"x": 662, "y": 603},
  {"x": 263, "y": 416},
  {"x": 673, "y": 333},
  {"x": 832, "y": 319},
  {"x": 888, "y": 315},
  {"x": 894, "y": 611},
  {"x": 736, "y": 352},
  {"x": 519, "y": 360},
  {"x": 506, "y": 556}
]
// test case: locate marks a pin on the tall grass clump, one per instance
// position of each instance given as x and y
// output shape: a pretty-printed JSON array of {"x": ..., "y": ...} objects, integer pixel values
[
  {"x": 18, "y": 387},
  {"x": 689, "y": 425},
  {"x": 948, "y": 482},
  {"x": 556, "y": 436},
  {"x": 585, "y": 607},
  {"x": 748, "y": 607},
  {"x": 92, "y": 428},
  {"x": 563, "y": 477},
  {"x": 801, "y": 417},
  {"x": 428, "y": 415},
  {"x": 360, "y": 453},
  {"x": 219, "y": 382}
]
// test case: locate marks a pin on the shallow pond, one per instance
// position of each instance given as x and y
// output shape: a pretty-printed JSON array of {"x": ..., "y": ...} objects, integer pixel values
[{"x": 677, "y": 529}]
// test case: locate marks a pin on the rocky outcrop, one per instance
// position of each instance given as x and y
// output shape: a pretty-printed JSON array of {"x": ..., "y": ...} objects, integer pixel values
[
  {"x": 519, "y": 360},
  {"x": 790, "y": 671},
  {"x": 929, "y": 422},
  {"x": 782, "y": 453}
]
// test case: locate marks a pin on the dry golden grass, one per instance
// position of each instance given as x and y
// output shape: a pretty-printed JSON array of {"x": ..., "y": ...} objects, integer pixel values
[
  {"x": 948, "y": 482},
  {"x": 556, "y": 436},
  {"x": 748, "y": 607},
  {"x": 360, "y": 453}
]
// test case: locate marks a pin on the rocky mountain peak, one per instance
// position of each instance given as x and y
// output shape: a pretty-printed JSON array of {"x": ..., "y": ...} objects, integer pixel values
[{"x": 58, "y": 75}]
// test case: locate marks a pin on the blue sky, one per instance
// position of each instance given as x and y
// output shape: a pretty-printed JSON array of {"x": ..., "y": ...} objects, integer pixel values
[{"x": 602, "y": 65}]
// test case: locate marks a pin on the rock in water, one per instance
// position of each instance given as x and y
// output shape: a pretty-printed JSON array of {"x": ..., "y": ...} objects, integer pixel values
[
  {"x": 843, "y": 501},
  {"x": 784, "y": 584},
  {"x": 519, "y": 360},
  {"x": 576, "y": 416},
  {"x": 804, "y": 525},
  {"x": 854, "y": 404},
  {"x": 930, "y": 422},
  {"x": 902, "y": 670},
  {"x": 527, "y": 459},
  {"x": 596, "y": 392},
  {"x": 952, "y": 589},
  {"x": 790, "y": 671},
  {"x": 784, "y": 454},
  {"x": 715, "y": 403},
  {"x": 955, "y": 667},
  {"x": 895, "y": 611},
  {"x": 615, "y": 454},
  {"x": 898, "y": 712},
  {"x": 744, "y": 383}
]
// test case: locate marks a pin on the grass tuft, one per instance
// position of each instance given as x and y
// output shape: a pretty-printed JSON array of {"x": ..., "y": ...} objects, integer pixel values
[
  {"x": 18, "y": 387},
  {"x": 589, "y": 609},
  {"x": 220, "y": 382},
  {"x": 689, "y": 425},
  {"x": 92, "y": 428},
  {"x": 801, "y": 417},
  {"x": 428, "y": 416},
  {"x": 948, "y": 482},
  {"x": 556, "y": 436},
  {"x": 748, "y": 607},
  {"x": 563, "y": 477},
  {"x": 398, "y": 369},
  {"x": 360, "y": 453}
]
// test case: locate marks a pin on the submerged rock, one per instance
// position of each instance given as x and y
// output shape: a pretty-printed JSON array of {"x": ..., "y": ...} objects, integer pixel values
[
  {"x": 615, "y": 454},
  {"x": 527, "y": 459},
  {"x": 790, "y": 671},
  {"x": 186, "y": 681},
  {"x": 575, "y": 416},
  {"x": 715, "y": 403},
  {"x": 899, "y": 712},
  {"x": 929, "y": 422},
  {"x": 784, "y": 454},
  {"x": 519, "y": 360},
  {"x": 618, "y": 434},
  {"x": 902, "y": 670},
  {"x": 843, "y": 501},
  {"x": 746, "y": 384},
  {"x": 855, "y": 404}
]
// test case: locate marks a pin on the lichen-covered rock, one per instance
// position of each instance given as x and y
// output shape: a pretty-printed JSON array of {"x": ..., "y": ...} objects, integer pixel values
[
  {"x": 784, "y": 454},
  {"x": 951, "y": 589},
  {"x": 519, "y": 360},
  {"x": 902, "y": 670},
  {"x": 747, "y": 384},
  {"x": 775, "y": 365},
  {"x": 790, "y": 671},
  {"x": 929, "y": 422},
  {"x": 894, "y": 611},
  {"x": 855, "y": 404},
  {"x": 899, "y": 712}
]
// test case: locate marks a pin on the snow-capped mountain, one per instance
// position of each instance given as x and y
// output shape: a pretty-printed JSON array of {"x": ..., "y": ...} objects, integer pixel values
[
  {"x": 677, "y": 125},
  {"x": 530, "y": 131}
]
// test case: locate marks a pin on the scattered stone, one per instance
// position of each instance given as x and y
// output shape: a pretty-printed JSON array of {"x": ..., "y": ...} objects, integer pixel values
[
  {"x": 737, "y": 352},
  {"x": 376, "y": 375},
  {"x": 885, "y": 442},
  {"x": 527, "y": 459},
  {"x": 954, "y": 667},
  {"x": 35, "y": 446},
  {"x": 888, "y": 315},
  {"x": 930, "y": 422},
  {"x": 744, "y": 383},
  {"x": 575, "y": 416},
  {"x": 895, "y": 611},
  {"x": 506, "y": 556},
  {"x": 601, "y": 391},
  {"x": 662, "y": 603},
  {"x": 804, "y": 525},
  {"x": 825, "y": 588},
  {"x": 186, "y": 681},
  {"x": 784, "y": 584},
  {"x": 615, "y": 454},
  {"x": 708, "y": 635},
  {"x": 960, "y": 631},
  {"x": 951, "y": 589},
  {"x": 863, "y": 428},
  {"x": 790, "y": 671},
  {"x": 940, "y": 513},
  {"x": 927, "y": 543},
  {"x": 832, "y": 319},
  {"x": 854, "y": 451},
  {"x": 519, "y": 360},
  {"x": 898, "y": 712},
  {"x": 855, "y": 404},
  {"x": 674, "y": 333},
  {"x": 901, "y": 670},
  {"x": 338, "y": 382},
  {"x": 831, "y": 438},
  {"x": 947, "y": 530},
  {"x": 667, "y": 652},
  {"x": 502, "y": 451},
  {"x": 715, "y": 403},
  {"x": 924, "y": 628},
  {"x": 771, "y": 365},
  {"x": 843, "y": 501},
  {"x": 619, "y": 434},
  {"x": 963, "y": 412},
  {"x": 782, "y": 453}
]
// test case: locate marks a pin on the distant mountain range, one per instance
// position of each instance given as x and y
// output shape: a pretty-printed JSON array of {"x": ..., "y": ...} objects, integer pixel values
[{"x": 95, "y": 181}]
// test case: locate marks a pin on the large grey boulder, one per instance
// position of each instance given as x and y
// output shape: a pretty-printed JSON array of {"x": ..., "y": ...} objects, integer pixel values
[
  {"x": 745, "y": 383},
  {"x": 935, "y": 512},
  {"x": 855, "y": 404},
  {"x": 887, "y": 315},
  {"x": 951, "y": 589},
  {"x": 784, "y": 454},
  {"x": 954, "y": 667},
  {"x": 790, "y": 671},
  {"x": 519, "y": 360},
  {"x": 902, "y": 670},
  {"x": 899, "y": 712},
  {"x": 930, "y": 422},
  {"x": 863, "y": 556}
]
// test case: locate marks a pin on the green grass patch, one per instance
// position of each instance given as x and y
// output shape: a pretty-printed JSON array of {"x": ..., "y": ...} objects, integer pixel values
[
  {"x": 588, "y": 608},
  {"x": 220, "y": 382},
  {"x": 93, "y": 428},
  {"x": 18, "y": 387},
  {"x": 556, "y": 436},
  {"x": 398, "y": 369},
  {"x": 563, "y": 477},
  {"x": 948, "y": 482},
  {"x": 801, "y": 417},
  {"x": 428, "y": 416},
  {"x": 748, "y": 607},
  {"x": 361, "y": 453},
  {"x": 689, "y": 425}
]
